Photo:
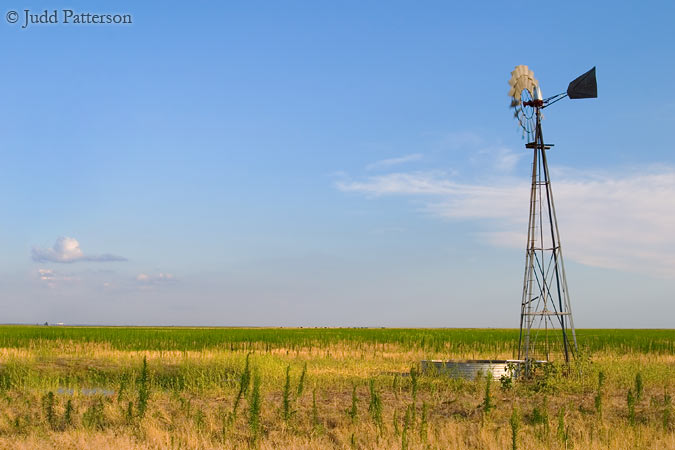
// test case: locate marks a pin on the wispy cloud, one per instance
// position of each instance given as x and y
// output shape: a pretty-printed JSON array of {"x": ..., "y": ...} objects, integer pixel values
[
  {"x": 52, "y": 278},
  {"x": 461, "y": 140},
  {"x": 390, "y": 162},
  {"x": 621, "y": 220},
  {"x": 161, "y": 278},
  {"x": 67, "y": 250},
  {"x": 504, "y": 159},
  {"x": 488, "y": 155},
  {"x": 97, "y": 281},
  {"x": 405, "y": 183}
]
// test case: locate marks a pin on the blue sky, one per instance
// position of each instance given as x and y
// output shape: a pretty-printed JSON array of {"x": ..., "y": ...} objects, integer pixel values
[{"x": 306, "y": 163}]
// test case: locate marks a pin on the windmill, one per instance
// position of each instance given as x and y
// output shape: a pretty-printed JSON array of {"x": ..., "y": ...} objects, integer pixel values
[{"x": 546, "y": 324}]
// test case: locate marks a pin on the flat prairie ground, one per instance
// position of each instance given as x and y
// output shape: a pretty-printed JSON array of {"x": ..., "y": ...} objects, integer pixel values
[{"x": 207, "y": 388}]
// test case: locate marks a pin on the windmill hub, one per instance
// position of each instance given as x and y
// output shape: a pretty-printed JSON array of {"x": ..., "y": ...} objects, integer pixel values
[{"x": 534, "y": 103}]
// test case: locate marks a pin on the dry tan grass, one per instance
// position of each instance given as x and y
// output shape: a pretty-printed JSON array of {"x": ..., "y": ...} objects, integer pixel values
[{"x": 195, "y": 417}]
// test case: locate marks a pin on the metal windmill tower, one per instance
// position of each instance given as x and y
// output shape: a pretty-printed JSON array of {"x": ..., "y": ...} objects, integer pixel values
[{"x": 546, "y": 324}]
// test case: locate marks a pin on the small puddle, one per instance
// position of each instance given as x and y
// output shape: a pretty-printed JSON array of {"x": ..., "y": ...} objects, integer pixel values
[{"x": 86, "y": 391}]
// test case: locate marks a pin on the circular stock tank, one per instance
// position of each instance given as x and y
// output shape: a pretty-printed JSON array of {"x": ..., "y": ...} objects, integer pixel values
[{"x": 470, "y": 369}]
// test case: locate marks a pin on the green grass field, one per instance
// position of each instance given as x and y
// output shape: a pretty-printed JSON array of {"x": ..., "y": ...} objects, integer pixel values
[
  {"x": 467, "y": 341},
  {"x": 87, "y": 387}
]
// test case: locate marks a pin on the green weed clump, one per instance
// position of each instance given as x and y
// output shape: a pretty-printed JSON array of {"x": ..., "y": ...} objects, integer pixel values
[
  {"x": 414, "y": 386},
  {"x": 353, "y": 411},
  {"x": 540, "y": 417},
  {"x": 514, "y": 421},
  {"x": 124, "y": 380},
  {"x": 255, "y": 410},
  {"x": 316, "y": 424},
  {"x": 301, "y": 381},
  {"x": 488, "y": 402},
  {"x": 68, "y": 414},
  {"x": 630, "y": 402},
  {"x": 598, "y": 394},
  {"x": 639, "y": 387},
  {"x": 414, "y": 375},
  {"x": 129, "y": 416},
  {"x": 667, "y": 411},
  {"x": 375, "y": 406},
  {"x": 48, "y": 409},
  {"x": 424, "y": 421},
  {"x": 506, "y": 382},
  {"x": 143, "y": 389},
  {"x": 200, "y": 419},
  {"x": 244, "y": 381},
  {"x": 286, "y": 397},
  {"x": 407, "y": 422},
  {"x": 563, "y": 430},
  {"x": 94, "y": 418}
]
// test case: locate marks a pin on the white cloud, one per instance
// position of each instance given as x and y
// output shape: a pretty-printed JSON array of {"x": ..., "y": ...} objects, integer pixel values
[
  {"x": 481, "y": 153},
  {"x": 504, "y": 159},
  {"x": 430, "y": 183},
  {"x": 386, "y": 163},
  {"x": 52, "y": 278},
  {"x": 613, "y": 220},
  {"x": 155, "y": 279},
  {"x": 67, "y": 250},
  {"x": 96, "y": 281},
  {"x": 46, "y": 274}
]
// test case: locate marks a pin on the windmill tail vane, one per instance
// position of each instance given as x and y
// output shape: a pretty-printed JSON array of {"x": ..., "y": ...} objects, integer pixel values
[{"x": 584, "y": 86}]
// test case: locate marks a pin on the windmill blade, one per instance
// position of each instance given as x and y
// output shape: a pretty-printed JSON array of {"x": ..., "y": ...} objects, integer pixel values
[
  {"x": 584, "y": 86},
  {"x": 523, "y": 86},
  {"x": 522, "y": 78}
]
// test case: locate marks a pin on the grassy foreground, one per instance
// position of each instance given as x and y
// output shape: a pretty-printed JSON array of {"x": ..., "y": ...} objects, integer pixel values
[{"x": 201, "y": 388}]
